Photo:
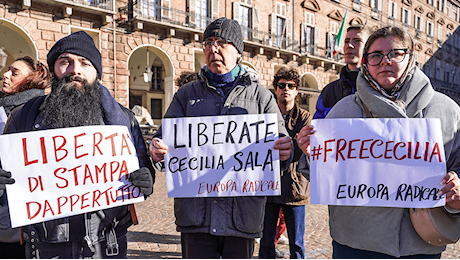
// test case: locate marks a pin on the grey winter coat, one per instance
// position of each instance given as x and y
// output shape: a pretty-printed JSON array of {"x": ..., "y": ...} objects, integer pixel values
[
  {"x": 224, "y": 216},
  {"x": 389, "y": 230}
]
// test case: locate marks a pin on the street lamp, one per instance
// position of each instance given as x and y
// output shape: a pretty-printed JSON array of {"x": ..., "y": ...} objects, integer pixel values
[
  {"x": 3, "y": 57},
  {"x": 148, "y": 74}
]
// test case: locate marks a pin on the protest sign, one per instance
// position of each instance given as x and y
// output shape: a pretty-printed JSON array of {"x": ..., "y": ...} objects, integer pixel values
[
  {"x": 222, "y": 156},
  {"x": 69, "y": 171},
  {"x": 3, "y": 119},
  {"x": 377, "y": 162}
]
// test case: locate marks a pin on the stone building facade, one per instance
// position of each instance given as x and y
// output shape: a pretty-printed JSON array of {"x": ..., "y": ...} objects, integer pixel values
[{"x": 146, "y": 44}]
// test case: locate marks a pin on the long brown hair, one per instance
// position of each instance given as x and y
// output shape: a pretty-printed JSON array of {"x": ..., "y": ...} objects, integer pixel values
[{"x": 39, "y": 78}]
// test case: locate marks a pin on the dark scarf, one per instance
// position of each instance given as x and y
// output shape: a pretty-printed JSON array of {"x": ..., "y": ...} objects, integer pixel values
[{"x": 11, "y": 102}]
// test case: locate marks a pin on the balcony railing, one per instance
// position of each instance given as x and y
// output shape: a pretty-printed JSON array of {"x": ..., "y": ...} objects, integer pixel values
[
  {"x": 150, "y": 11},
  {"x": 100, "y": 4}
]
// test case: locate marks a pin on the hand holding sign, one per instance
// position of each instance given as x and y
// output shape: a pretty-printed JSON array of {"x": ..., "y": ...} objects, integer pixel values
[
  {"x": 303, "y": 138},
  {"x": 143, "y": 179},
  {"x": 284, "y": 145},
  {"x": 158, "y": 149},
  {"x": 451, "y": 188}
]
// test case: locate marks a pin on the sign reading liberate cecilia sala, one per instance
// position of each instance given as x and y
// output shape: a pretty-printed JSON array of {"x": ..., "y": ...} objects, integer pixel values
[
  {"x": 69, "y": 171},
  {"x": 222, "y": 156},
  {"x": 381, "y": 162}
]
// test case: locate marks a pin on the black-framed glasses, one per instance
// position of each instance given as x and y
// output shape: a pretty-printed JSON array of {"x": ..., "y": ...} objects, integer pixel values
[
  {"x": 290, "y": 86},
  {"x": 394, "y": 56},
  {"x": 218, "y": 43}
]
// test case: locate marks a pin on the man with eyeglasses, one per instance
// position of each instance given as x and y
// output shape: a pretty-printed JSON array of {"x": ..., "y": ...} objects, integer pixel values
[
  {"x": 294, "y": 185},
  {"x": 222, "y": 227},
  {"x": 355, "y": 39}
]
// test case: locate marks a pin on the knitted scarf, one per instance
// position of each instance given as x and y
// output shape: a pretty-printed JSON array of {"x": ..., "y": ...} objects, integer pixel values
[
  {"x": 413, "y": 97},
  {"x": 15, "y": 100}
]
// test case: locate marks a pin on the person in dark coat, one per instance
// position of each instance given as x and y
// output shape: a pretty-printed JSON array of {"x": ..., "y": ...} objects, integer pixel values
[
  {"x": 353, "y": 52},
  {"x": 78, "y": 98}
]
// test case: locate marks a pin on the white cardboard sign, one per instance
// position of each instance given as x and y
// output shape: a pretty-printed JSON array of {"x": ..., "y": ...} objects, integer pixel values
[
  {"x": 377, "y": 162},
  {"x": 222, "y": 156},
  {"x": 69, "y": 171}
]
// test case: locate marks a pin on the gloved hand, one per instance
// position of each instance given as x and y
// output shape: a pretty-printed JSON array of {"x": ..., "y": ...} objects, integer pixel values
[
  {"x": 143, "y": 179},
  {"x": 5, "y": 178}
]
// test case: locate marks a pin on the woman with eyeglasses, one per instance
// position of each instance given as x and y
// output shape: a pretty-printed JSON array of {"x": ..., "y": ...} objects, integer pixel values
[
  {"x": 391, "y": 86},
  {"x": 24, "y": 79}
]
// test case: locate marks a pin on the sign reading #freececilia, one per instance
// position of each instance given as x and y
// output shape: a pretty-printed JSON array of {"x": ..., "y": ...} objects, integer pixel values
[
  {"x": 69, "y": 171},
  {"x": 222, "y": 156},
  {"x": 383, "y": 162}
]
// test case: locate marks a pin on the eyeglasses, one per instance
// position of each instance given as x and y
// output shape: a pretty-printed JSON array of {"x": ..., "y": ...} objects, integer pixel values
[
  {"x": 394, "y": 56},
  {"x": 218, "y": 43},
  {"x": 290, "y": 86}
]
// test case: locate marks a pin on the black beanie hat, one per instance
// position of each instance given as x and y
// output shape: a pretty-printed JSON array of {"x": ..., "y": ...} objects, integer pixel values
[
  {"x": 228, "y": 30},
  {"x": 78, "y": 43}
]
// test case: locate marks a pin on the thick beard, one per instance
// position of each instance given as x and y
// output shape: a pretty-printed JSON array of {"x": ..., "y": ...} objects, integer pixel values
[{"x": 69, "y": 106}]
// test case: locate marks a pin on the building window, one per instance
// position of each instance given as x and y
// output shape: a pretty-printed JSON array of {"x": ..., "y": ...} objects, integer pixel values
[
  {"x": 405, "y": 16},
  {"x": 392, "y": 10},
  {"x": 447, "y": 74},
  {"x": 457, "y": 16},
  {"x": 440, "y": 5},
  {"x": 418, "y": 23},
  {"x": 450, "y": 9},
  {"x": 430, "y": 2},
  {"x": 149, "y": 8},
  {"x": 429, "y": 29},
  {"x": 440, "y": 34},
  {"x": 202, "y": 11},
  {"x": 376, "y": 5},
  {"x": 438, "y": 70},
  {"x": 280, "y": 24},
  {"x": 245, "y": 20},
  {"x": 157, "y": 80},
  {"x": 156, "y": 108},
  {"x": 427, "y": 70},
  {"x": 310, "y": 39}
]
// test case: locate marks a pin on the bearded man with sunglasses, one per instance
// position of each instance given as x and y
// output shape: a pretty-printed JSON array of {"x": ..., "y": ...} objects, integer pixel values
[
  {"x": 222, "y": 227},
  {"x": 294, "y": 185}
]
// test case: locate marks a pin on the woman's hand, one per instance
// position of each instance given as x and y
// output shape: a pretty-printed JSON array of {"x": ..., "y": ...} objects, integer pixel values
[
  {"x": 157, "y": 150},
  {"x": 284, "y": 145},
  {"x": 303, "y": 138},
  {"x": 451, "y": 188}
]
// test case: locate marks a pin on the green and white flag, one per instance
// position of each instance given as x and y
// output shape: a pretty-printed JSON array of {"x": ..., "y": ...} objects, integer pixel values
[{"x": 338, "y": 40}]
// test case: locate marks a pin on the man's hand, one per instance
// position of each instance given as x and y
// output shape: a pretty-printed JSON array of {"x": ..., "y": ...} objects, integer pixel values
[
  {"x": 158, "y": 150},
  {"x": 284, "y": 145},
  {"x": 303, "y": 138},
  {"x": 143, "y": 179}
]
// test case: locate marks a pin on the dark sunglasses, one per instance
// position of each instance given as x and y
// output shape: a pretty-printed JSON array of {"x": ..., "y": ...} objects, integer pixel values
[{"x": 291, "y": 86}]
